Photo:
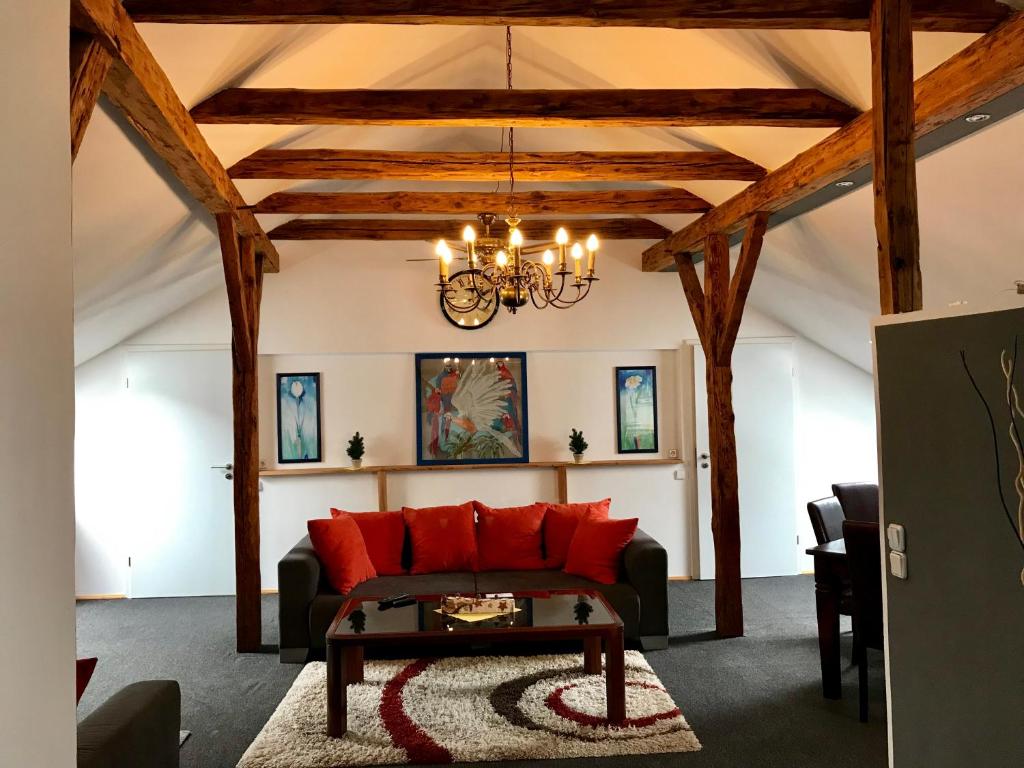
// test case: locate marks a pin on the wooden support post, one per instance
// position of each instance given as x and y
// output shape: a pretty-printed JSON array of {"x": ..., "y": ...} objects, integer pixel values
[
  {"x": 243, "y": 275},
  {"x": 90, "y": 63},
  {"x": 717, "y": 310},
  {"x": 895, "y": 179},
  {"x": 382, "y": 491},
  {"x": 562, "y": 482}
]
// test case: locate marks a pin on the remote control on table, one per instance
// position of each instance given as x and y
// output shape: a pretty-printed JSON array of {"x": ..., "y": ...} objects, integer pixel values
[{"x": 395, "y": 601}]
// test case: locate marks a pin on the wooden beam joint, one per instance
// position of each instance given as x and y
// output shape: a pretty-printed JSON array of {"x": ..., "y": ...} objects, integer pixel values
[
  {"x": 243, "y": 277},
  {"x": 987, "y": 69},
  {"x": 894, "y": 167},
  {"x": 717, "y": 309}
]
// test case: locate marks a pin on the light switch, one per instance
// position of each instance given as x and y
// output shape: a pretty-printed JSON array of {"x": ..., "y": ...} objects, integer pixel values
[
  {"x": 897, "y": 537},
  {"x": 679, "y": 474},
  {"x": 898, "y": 565}
]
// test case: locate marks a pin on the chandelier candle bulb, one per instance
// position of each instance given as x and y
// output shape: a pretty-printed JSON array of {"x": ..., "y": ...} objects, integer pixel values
[
  {"x": 561, "y": 239},
  {"x": 469, "y": 238},
  {"x": 577, "y": 255},
  {"x": 591, "y": 254},
  {"x": 444, "y": 258},
  {"x": 515, "y": 241}
]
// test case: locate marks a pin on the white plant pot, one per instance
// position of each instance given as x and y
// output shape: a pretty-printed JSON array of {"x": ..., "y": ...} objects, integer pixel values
[
  {"x": 578, "y": 458},
  {"x": 357, "y": 463}
]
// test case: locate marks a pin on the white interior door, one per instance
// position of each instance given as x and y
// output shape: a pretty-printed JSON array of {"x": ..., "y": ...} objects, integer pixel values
[
  {"x": 179, "y": 428},
  {"x": 763, "y": 402}
]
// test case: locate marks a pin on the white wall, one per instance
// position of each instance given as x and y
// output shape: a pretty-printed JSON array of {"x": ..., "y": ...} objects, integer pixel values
[
  {"x": 375, "y": 394},
  {"x": 357, "y": 312},
  {"x": 101, "y": 461},
  {"x": 37, "y": 630},
  {"x": 835, "y": 431}
]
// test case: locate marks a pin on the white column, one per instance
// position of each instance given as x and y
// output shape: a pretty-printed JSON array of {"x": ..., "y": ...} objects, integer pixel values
[{"x": 37, "y": 523}]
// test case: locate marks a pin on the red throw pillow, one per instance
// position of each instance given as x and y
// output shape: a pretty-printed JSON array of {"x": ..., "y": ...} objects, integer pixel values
[
  {"x": 596, "y": 548},
  {"x": 341, "y": 549},
  {"x": 509, "y": 538},
  {"x": 443, "y": 538},
  {"x": 83, "y": 674},
  {"x": 384, "y": 534},
  {"x": 560, "y": 524}
]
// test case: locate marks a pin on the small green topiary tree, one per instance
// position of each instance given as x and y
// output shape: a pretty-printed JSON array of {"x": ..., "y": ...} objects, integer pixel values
[
  {"x": 356, "y": 447},
  {"x": 576, "y": 442}
]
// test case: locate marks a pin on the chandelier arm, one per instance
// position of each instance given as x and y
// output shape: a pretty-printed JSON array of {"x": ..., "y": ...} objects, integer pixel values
[
  {"x": 568, "y": 303},
  {"x": 448, "y": 294},
  {"x": 561, "y": 286},
  {"x": 488, "y": 289},
  {"x": 543, "y": 303}
]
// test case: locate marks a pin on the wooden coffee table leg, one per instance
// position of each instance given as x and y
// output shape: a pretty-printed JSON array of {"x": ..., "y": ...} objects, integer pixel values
[
  {"x": 354, "y": 664},
  {"x": 592, "y": 655},
  {"x": 615, "y": 675},
  {"x": 337, "y": 696}
]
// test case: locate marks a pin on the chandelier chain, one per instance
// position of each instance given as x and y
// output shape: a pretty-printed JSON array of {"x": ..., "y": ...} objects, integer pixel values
[
  {"x": 500, "y": 268},
  {"x": 511, "y": 130}
]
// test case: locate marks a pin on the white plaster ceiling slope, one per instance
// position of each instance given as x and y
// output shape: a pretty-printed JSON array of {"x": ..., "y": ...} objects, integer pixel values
[{"x": 143, "y": 249}]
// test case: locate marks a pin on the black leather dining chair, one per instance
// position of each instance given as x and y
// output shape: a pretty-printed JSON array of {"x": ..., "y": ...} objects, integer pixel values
[
  {"x": 864, "y": 556},
  {"x": 859, "y": 500},
  {"x": 826, "y": 519}
]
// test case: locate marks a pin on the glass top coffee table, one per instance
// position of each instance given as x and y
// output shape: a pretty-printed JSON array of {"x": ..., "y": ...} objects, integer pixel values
[{"x": 524, "y": 617}]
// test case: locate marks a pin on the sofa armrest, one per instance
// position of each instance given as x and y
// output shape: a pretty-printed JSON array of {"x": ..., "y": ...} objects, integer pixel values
[
  {"x": 646, "y": 568},
  {"x": 298, "y": 578},
  {"x": 138, "y": 725}
]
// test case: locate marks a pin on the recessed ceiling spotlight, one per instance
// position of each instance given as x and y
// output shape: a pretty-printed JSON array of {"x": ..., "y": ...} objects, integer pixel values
[
  {"x": 979, "y": 117},
  {"x": 846, "y": 183}
]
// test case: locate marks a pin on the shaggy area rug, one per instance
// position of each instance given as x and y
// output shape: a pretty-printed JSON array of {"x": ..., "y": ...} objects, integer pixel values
[{"x": 470, "y": 709}]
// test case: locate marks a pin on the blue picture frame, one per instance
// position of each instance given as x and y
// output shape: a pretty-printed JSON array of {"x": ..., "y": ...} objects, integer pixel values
[
  {"x": 299, "y": 438},
  {"x": 636, "y": 409},
  {"x": 441, "y": 439}
]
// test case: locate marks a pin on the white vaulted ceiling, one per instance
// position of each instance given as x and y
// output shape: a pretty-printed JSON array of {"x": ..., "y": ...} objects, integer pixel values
[{"x": 144, "y": 249}]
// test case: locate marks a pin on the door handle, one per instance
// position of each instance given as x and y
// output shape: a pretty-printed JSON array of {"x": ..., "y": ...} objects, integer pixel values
[
  {"x": 704, "y": 460},
  {"x": 227, "y": 470}
]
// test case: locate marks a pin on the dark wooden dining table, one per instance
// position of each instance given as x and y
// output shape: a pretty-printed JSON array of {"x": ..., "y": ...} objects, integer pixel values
[{"x": 831, "y": 572}]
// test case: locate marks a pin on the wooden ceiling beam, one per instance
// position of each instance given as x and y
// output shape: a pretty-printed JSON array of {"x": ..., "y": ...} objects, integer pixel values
[
  {"x": 138, "y": 86},
  {"x": 850, "y": 15},
  {"x": 894, "y": 167},
  {"x": 617, "y": 201},
  {"x": 778, "y": 107},
  {"x": 493, "y": 166},
  {"x": 90, "y": 63},
  {"x": 433, "y": 229},
  {"x": 990, "y": 67}
]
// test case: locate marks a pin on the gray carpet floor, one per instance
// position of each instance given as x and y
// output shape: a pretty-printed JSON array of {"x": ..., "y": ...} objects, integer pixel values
[{"x": 754, "y": 702}]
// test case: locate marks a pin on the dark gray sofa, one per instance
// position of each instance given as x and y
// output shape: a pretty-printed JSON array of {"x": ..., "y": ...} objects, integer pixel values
[
  {"x": 137, "y": 726},
  {"x": 307, "y": 604}
]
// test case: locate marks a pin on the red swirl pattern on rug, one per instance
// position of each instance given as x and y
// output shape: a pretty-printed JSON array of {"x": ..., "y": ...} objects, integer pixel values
[
  {"x": 471, "y": 709},
  {"x": 556, "y": 703},
  {"x": 405, "y": 734}
]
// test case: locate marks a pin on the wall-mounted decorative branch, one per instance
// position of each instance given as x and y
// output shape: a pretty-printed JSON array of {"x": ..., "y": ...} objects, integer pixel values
[{"x": 1008, "y": 366}]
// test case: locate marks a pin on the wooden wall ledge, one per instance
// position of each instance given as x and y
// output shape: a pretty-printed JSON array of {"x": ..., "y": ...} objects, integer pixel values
[
  {"x": 560, "y": 468},
  {"x": 301, "y": 471}
]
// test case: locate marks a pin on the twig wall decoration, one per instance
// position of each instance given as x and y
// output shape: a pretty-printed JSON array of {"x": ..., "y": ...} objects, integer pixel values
[{"x": 1008, "y": 366}]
